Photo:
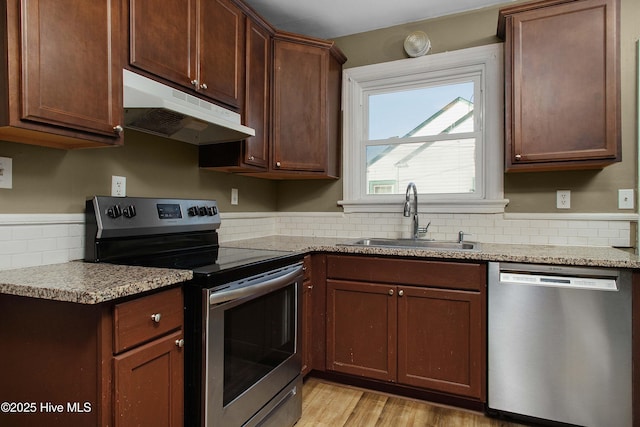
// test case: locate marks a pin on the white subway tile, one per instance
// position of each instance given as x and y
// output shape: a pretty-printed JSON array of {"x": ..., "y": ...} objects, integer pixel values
[
  {"x": 5, "y": 233},
  {"x": 41, "y": 245},
  {"x": 55, "y": 257},
  {"x": 13, "y": 247},
  {"x": 61, "y": 230},
  {"x": 26, "y": 260},
  {"x": 27, "y": 232}
]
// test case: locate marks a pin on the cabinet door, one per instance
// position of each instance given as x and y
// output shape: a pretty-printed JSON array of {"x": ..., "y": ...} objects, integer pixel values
[
  {"x": 299, "y": 129},
  {"x": 149, "y": 384},
  {"x": 562, "y": 86},
  {"x": 361, "y": 329},
  {"x": 307, "y": 329},
  {"x": 257, "y": 97},
  {"x": 163, "y": 39},
  {"x": 440, "y": 340},
  {"x": 71, "y": 66},
  {"x": 221, "y": 51}
]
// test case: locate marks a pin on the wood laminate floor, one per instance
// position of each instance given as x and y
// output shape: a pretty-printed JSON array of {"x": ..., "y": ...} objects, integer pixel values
[{"x": 335, "y": 405}]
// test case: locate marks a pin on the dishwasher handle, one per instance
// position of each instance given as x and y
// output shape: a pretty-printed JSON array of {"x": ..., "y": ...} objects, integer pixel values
[{"x": 559, "y": 281}]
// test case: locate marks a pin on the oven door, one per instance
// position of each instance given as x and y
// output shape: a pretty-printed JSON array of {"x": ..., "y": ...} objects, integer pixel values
[{"x": 251, "y": 349}]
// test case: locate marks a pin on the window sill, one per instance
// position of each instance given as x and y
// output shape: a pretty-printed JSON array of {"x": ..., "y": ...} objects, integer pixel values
[{"x": 434, "y": 206}]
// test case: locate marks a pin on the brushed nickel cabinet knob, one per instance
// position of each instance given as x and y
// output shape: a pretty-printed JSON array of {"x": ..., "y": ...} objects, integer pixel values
[{"x": 118, "y": 129}]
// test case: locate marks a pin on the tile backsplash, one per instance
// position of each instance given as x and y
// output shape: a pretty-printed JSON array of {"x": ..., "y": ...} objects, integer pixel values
[{"x": 31, "y": 240}]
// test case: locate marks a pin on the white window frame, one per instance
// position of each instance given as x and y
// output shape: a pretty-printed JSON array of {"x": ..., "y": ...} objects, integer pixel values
[{"x": 359, "y": 82}]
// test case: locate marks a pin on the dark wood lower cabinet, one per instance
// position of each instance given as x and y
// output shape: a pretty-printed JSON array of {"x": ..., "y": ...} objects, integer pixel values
[
  {"x": 439, "y": 340},
  {"x": 428, "y": 337},
  {"x": 60, "y": 365},
  {"x": 307, "y": 317},
  {"x": 151, "y": 376},
  {"x": 361, "y": 329}
]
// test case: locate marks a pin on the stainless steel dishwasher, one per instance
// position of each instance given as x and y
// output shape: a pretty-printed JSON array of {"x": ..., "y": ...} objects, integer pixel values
[{"x": 560, "y": 344}]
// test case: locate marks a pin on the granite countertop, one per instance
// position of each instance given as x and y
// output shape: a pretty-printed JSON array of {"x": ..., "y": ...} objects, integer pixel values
[
  {"x": 587, "y": 256},
  {"x": 89, "y": 283}
]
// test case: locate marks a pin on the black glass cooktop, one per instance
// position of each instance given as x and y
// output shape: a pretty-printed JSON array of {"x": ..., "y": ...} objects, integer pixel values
[{"x": 235, "y": 258}]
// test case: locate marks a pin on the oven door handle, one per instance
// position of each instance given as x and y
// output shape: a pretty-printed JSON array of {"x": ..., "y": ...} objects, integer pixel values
[{"x": 266, "y": 286}]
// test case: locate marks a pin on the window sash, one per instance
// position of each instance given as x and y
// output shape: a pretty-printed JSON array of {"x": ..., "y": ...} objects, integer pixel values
[{"x": 483, "y": 63}]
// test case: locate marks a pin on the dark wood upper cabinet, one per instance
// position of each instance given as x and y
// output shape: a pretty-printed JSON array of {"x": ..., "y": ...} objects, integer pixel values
[
  {"x": 196, "y": 44},
  {"x": 61, "y": 73},
  {"x": 307, "y": 84},
  {"x": 222, "y": 51},
  {"x": 257, "y": 96},
  {"x": 250, "y": 154},
  {"x": 293, "y": 99},
  {"x": 163, "y": 40},
  {"x": 562, "y": 84}
]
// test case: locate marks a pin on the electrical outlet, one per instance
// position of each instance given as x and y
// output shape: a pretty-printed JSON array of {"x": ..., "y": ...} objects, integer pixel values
[
  {"x": 6, "y": 172},
  {"x": 234, "y": 196},
  {"x": 118, "y": 186},
  {"x": 625, "y": 199},
  {"x": 563, "y": 199}
]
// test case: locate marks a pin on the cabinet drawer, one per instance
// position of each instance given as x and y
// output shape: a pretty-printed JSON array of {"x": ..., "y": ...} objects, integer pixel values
[
  {"x": 437, "y": 274},
  {"x": 146, "y": 318}
]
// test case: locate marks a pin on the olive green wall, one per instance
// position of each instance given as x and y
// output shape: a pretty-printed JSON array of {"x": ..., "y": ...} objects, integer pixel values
[
  {"x": 47, "y": 180},
  {"x": 56, "y": 181},
  {"x": 591, "y": 191}
]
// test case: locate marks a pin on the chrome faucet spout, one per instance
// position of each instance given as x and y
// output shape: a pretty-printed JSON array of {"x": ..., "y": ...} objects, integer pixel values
[{"x": 411, "y": 188}]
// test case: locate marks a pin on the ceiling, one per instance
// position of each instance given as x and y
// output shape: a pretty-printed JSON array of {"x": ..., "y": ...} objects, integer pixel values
[{"x": 335, "y": 18}]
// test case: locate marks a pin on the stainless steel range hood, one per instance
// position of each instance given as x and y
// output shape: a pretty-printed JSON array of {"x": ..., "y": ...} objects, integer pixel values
[{"x": 155, "y": 108}]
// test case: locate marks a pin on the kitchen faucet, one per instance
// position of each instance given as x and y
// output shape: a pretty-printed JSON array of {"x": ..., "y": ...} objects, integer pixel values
[{"x": 415, "y": 229}]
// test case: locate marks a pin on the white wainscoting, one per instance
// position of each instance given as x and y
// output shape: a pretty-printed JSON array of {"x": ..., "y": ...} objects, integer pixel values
[{"x": 39, "y": 239}]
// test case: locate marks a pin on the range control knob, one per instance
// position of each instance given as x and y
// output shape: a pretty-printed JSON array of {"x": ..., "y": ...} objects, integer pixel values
[
  {"x": 211, "y": 211},
  {"x": 114, "y": 211},
  {"x": 129, "y": 211},
  {"x": 192, "y": 211},
  {"x": 202, "y": 211}
]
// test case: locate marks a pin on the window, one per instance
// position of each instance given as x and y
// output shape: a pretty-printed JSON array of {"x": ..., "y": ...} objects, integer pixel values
[{"x": 435, "y": 121}]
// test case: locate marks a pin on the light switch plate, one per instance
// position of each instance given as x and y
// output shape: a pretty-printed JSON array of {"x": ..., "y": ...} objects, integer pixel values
[
  {"x": 6, "y": 172},
  {"x": 563, "y": 199},
  {"x": 234, "y": 196},
  {"x": 625, "y": 199}
]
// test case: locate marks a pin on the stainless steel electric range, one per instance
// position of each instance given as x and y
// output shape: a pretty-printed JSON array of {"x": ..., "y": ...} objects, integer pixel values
[{"x": 242, "y": 308}]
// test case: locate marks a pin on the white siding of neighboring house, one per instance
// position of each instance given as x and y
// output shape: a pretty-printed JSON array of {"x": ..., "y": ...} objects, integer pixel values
[{"x": 436, "y": 167}]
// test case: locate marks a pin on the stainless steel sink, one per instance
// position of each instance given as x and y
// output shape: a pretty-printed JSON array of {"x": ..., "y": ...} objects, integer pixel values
[{"x": 415, "y": 244}]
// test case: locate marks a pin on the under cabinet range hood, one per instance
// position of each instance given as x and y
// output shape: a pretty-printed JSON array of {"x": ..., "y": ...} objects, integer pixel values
[{"x": 153, "y": 107}]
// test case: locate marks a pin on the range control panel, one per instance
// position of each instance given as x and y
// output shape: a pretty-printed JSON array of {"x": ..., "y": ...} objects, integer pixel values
[{"x": 132, "y": 216}]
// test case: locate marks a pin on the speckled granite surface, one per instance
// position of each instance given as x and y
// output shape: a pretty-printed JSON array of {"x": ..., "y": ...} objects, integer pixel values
[
  {"x": 565, "y": 255},
  {"x": 87, "y": 283}
]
